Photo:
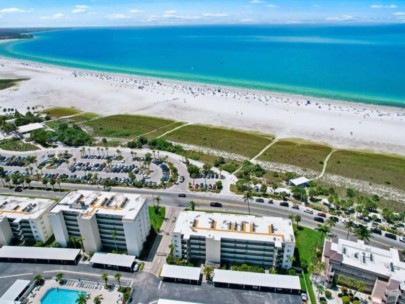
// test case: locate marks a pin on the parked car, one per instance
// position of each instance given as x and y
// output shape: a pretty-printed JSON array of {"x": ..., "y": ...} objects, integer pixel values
[
  {"x": 18, "y": 189},
  {"x": 304, "y": 297},
  {"x": 284, "y": 204},
  {"x": 296, "y": 207},
  {"x": 319, "y": 219},
  {"x": 136, "y": 267},
  {"x": 259, "y": 200},
  {"x": 321, "y": 214},
  {"x": 182, "y": 195},
  {"x": 401, "y": 239},
  {"x": 216, "y": 204},
  {"x": 270, "y": 201},
  {"x": 390, "y": 236},
  {"x": 335, "y": 219},
  {"x": 309, "y": 211},
  {"x": 376, "y": 230}
]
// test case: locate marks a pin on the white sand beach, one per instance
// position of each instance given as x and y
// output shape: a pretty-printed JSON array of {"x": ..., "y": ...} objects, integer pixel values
[{"x": 341, "y": 124}]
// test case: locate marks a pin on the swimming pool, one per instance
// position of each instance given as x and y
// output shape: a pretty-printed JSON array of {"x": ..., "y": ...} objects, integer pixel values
[{"x": 60, "y": 296}]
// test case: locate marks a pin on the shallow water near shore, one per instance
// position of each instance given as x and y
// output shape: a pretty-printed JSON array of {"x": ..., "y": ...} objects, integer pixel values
[{"x": 358, "y": 63}]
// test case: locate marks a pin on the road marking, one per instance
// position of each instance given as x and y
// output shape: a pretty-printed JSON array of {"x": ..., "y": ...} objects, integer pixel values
[
  {"x": 160, "y": 284},
  {"x": 17, "y": 275}
]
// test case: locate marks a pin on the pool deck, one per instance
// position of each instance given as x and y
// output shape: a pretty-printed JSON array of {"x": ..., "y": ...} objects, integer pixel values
[{"x": 93, "y": 289}]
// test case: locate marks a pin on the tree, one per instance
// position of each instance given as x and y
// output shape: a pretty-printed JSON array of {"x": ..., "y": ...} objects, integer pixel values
[
  {"x": 114, "y": 237},
  {"x": 52, "y": 181},
  {"x": 81, "y": 298},
  {"x": 45, "y": 182},
  {"x": 208, "y": 272},
  {"x": 247, "y": 196},
  {"x": 324, "y": 230},
  {"x": 97, "y": 300},
  {"x": 297, "y": 219},
  {"x": 362, "y": 233},
  {"x": 38, "y": 279},
  {"x": 117, "y": 277},
  {"x": 59, "y": 277},
  {"x": 157, "y": 206},
  {"x": 330, "y": 223},
  {"x": 104, "y": 277},
  {"x": 28, "y": 181},
  {"x": 349, "y": 225},
  {"x": 192, "y": 205},
  {"x": 72, "y": 239}
]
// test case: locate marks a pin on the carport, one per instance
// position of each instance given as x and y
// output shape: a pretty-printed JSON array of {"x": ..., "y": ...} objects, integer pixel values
[
  {"x": 44, "y": 255},
  {"x": 16, "y": 293},
  {"x": 257, "y": 281},
  {"x": 115, "y": 261},
  {"x": 181, "y": 274}
]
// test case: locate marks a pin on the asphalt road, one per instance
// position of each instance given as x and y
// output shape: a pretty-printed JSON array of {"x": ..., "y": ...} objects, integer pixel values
[{"x": 230, "y": 204}]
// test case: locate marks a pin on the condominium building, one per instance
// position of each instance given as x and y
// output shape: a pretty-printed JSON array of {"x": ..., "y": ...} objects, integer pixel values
[
  {"x": 103, "y": 220},
  {"x": 24, "y": 219},
  {"x": 382, "y": 271},
  {"x": 216, "y": 239}
]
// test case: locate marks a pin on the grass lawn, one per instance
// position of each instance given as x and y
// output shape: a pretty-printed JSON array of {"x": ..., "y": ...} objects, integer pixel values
[
  {"x": 126, "y": 126},
  {"x": 83, "y": 117},
  {"x": 298, "y": 153},
  {"x": 373, "y": 168},
  {"x": 243, "y": 143},
  {"x": 17, "y": 145},
  {"x": 306, "y": 241},
  {"x": 310, "y": 289},
  {"x": 8, "y": 83},
  {"x": 61, "y": 112},
  {"x": 156, "y": 219}
]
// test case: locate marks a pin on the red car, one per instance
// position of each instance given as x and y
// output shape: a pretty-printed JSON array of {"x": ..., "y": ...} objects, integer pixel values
[{"x": 321, "y": 214}]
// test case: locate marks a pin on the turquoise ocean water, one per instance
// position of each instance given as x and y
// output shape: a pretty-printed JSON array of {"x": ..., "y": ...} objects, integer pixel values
[{"x": 355, "y": 63}]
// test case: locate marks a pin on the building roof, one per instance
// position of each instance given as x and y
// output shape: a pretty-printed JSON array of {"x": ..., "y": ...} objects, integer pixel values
[
  {"x": 232, "y": 226},
  {"x": 180, "y": 272},
  {"x": 19, "y": 208},
  {"x": 299, "y": 181},
  {"x": 165, "y": 301},
  {"x": 39, "y": 253},
  {"x": 14, "y": 291},
  {"x": 119, "y": 260},
  {"x": 369, "y": 258},
  {"x": 257, "y": 279},
  {"x": 29, "y": 128},
  {"x": 89, "y": 203}
]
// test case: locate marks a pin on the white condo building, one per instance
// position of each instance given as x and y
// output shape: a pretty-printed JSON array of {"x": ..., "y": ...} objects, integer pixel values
[
  {"x": 234, "y": 239},
  {"x": 103, "y": 220},
  {"x": 24, "y": 219}
]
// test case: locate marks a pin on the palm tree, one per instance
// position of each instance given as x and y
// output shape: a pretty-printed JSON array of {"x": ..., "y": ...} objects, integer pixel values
[
  {"x": 157, "y": 198},
  {"x": 72, "y": 239},
  {"x": 45, "y": 183},
  {"x": 52, "y": 182},
  {"x": 247, "y": 196},
  {"x": 117, "y": 277},
  {"x": 330, "y": 223},
  {"x": 208, "y": 272},
  {"x": 324, "y": 230},
  {"x": 81, "y": 298},
  {"x": 7, "y": 180},
  {"x": 28, "y": 181},
  {"x": 104, "y": 277},
  {"x": 297, "y": 219},
  {"x": 362, "y": 233},
  {"x": 38, "y": 279},
  {"x": 97, "y": 300},
  {"x": 114, "y": 237},
  {"x": 80, "y": 240},
  {"x": 59, "y": 277},
  {"x": 192, "y": 205},
  {"x": 349, "y": 226}
]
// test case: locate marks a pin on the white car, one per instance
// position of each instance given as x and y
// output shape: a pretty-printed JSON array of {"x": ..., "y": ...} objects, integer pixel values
[
  {"x": 309, "y": 211},
  {"x": 402, "y": 239}
]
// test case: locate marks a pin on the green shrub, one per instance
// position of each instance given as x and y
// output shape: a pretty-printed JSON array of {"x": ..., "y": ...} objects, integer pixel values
[{"x": 328, "y": 294}]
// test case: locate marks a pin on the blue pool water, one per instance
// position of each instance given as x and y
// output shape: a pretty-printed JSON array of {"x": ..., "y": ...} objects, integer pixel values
[
  {"x": 359, "y": 63},
  {"x": 60, "y": 296}
]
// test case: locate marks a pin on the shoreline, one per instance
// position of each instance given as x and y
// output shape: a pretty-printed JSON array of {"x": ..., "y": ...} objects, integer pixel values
[
  {"x": 351, "y": 125},
  {"x": 200, "y": 80}
]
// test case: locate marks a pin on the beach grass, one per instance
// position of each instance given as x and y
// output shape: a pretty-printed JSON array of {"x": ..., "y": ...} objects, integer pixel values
[
  {"x": 374, "y": 168},
  {"x": 126, "y": 126},
  {"x": 17, "y": 145},
  {"x": 9, "y": 83},
  {"x": 299, "y": 153},
  {"x": 243, "y": 143},
  {"x": 163, "y": 130},
  {"x": 59, "y": 112}
]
